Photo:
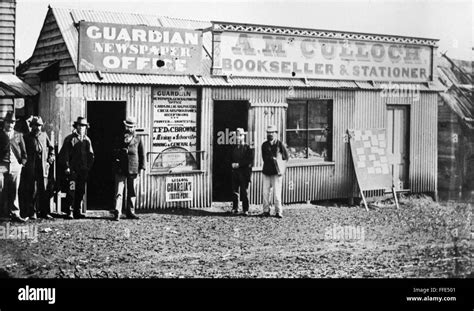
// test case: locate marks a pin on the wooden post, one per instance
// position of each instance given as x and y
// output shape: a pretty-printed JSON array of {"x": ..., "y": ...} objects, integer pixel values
[
  {"x": 363, "y": 199},
  {"x": 395, "y": 197}
]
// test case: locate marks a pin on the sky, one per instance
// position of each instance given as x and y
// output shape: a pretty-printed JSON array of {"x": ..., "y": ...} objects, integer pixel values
[{"x": 449, "y": 21}]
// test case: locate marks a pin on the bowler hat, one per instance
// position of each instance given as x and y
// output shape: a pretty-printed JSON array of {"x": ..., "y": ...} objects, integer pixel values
[
  {"x": 81, "y": 121},
  {"x": 272, "y": 128},
  {"x": 10, "y": 117},
  {"x": 36, "y": 121},
  {"x": 130, "y": 121}
]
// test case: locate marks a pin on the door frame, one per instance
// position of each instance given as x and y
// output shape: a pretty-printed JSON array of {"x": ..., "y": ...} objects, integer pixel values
[
  {"x": 101, "y": 212},
  {"x": 212, "y": 127},
  {"x": 407, "y": 108}
]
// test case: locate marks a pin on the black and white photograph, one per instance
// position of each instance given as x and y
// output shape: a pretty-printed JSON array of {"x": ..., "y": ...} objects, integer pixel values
[{"x": 237, "y": 141}]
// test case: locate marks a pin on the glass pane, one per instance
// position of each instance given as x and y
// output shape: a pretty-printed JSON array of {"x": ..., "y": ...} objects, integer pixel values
[
  {"x": 318, "y": 114},
  {"x": 297, "y": 141},
  {"x": 297, "y": 118},
  {"x": 319, "y": 145}
]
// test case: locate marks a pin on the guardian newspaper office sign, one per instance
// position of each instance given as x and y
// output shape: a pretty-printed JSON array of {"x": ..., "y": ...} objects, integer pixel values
[
  {"x": 261, "y": 55},
  {"x": 139, "y": 49}
]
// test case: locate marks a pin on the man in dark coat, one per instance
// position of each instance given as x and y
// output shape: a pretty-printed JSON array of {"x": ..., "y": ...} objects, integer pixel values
[
  {"x": 12, "y": 158},
  {"x": 129, "y": 161},
  {"x": 242, "y": 160},
  {"x": 40, "y": 154},
  {"x": 75, "y": 160},
  {"x": 275, "y": 155}
]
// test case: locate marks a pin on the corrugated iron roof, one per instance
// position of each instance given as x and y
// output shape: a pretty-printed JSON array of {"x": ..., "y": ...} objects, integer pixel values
[
  {"x": 452, "y": 74},
  {"x": 12, "y": 84}
]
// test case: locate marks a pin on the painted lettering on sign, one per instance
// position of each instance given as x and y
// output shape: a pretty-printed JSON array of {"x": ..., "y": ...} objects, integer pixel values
[
  {"x": 279, "y": 56},
  {"x": 174, "y": 128},
  {"x": 139, "y": 49}
]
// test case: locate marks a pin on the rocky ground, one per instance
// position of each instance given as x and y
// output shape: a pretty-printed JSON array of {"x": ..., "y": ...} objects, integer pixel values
[{"x": 422, "y": 239}]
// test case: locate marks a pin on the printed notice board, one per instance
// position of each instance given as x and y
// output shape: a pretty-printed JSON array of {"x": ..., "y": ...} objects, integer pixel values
[
  {"x": 179, "y": 189},
  {"x": 369, "y": 154}
]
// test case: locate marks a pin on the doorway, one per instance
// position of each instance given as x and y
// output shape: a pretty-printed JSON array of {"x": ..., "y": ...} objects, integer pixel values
[
  {"x": 228, "y": 115},
  {"x": 398, "y": 143},
  {"x": 106, "y": 123}
]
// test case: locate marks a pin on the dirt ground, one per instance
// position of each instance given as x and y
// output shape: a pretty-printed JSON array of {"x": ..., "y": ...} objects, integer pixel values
[{"x": 422, "y": 239}]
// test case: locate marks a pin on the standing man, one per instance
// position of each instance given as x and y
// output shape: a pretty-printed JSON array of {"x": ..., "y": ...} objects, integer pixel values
[
  {"x": 40, "y": 154},
  {"x": 242, "y": 160},
  {"x": 275, "y": 155},
  {"x": 12, "y": 158},
  {"x": 129, "y": 161},
  {"x": 75, "y": 159}
]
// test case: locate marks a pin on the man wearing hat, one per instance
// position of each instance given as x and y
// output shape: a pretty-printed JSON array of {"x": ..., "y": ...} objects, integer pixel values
[
  {"x": 129, "y": 161},
  {"x": 12, "y": 158},
  {"x": 40, "y": 154},
  {"x": 75, "y": 160},
  {"x": 242, "y": 160},
  {"x": 275, "y": 155}
]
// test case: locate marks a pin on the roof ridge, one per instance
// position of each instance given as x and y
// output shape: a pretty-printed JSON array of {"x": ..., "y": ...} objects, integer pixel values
[{"x": 54, "y": 7}]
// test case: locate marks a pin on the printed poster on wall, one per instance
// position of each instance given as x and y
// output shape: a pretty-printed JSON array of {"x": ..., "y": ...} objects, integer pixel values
[
  {"x": 179, "y": 189},
  {"x": 174, "y": 129}
]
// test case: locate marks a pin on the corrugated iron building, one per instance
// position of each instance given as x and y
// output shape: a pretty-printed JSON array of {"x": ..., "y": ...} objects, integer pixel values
[{"x": 249, "y": 101}]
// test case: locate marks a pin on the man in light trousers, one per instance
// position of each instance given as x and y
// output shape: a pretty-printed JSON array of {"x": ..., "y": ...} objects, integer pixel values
[{"x": 275, "y": 155}]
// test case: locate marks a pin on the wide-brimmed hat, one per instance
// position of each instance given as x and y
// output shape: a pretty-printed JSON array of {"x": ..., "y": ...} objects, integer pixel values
[
  {"x": 81, "y": 121},
  {"x": 10, "y": 117},
  {"x": 272, "y": 128},
  {"x": 240, "y": 131},
  {"x": 130, "y": 121},
  {"x": 36, "y": 121}
]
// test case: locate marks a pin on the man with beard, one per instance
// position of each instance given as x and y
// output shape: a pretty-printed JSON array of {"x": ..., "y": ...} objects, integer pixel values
[
  {"x": 75, "y": 160},
  {"x": 40, "y": 153},
  {"x": 275, "y": 155},
  {"x": 129, "y": 161},
  {"x": 12, "y": 158}
]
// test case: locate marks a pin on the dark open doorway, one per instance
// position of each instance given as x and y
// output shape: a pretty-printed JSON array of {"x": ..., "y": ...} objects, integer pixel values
[
  {"x": 228, "y": 115},
  {"x": 106, "y": 123}
]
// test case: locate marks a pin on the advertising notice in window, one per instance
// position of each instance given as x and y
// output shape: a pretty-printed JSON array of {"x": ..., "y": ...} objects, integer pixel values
[{"x": 174, "y": 129}]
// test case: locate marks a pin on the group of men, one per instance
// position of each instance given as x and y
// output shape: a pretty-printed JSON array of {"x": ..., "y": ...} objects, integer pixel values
[
  {"x": 26, "y": 159},
  {"x": 30, "y": 156},
  {"x": 275, "y": 155}
]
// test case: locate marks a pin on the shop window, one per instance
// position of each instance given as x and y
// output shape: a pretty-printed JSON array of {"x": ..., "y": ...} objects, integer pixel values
[{"x": 309, "y": 130}]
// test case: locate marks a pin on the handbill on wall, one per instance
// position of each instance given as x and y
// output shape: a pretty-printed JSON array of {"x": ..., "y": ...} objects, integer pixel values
[
  {"x": 138, "y": 49},
  {"x": 261, "y": 55},
  {"x": 179, "y": 189},
  {"x": 174, "y": 129}
]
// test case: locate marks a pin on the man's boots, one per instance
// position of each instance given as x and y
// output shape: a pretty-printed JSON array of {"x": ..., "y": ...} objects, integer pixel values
[
  {"x": 131, "y": 209},
  {"x": 77, "y": 213}
]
